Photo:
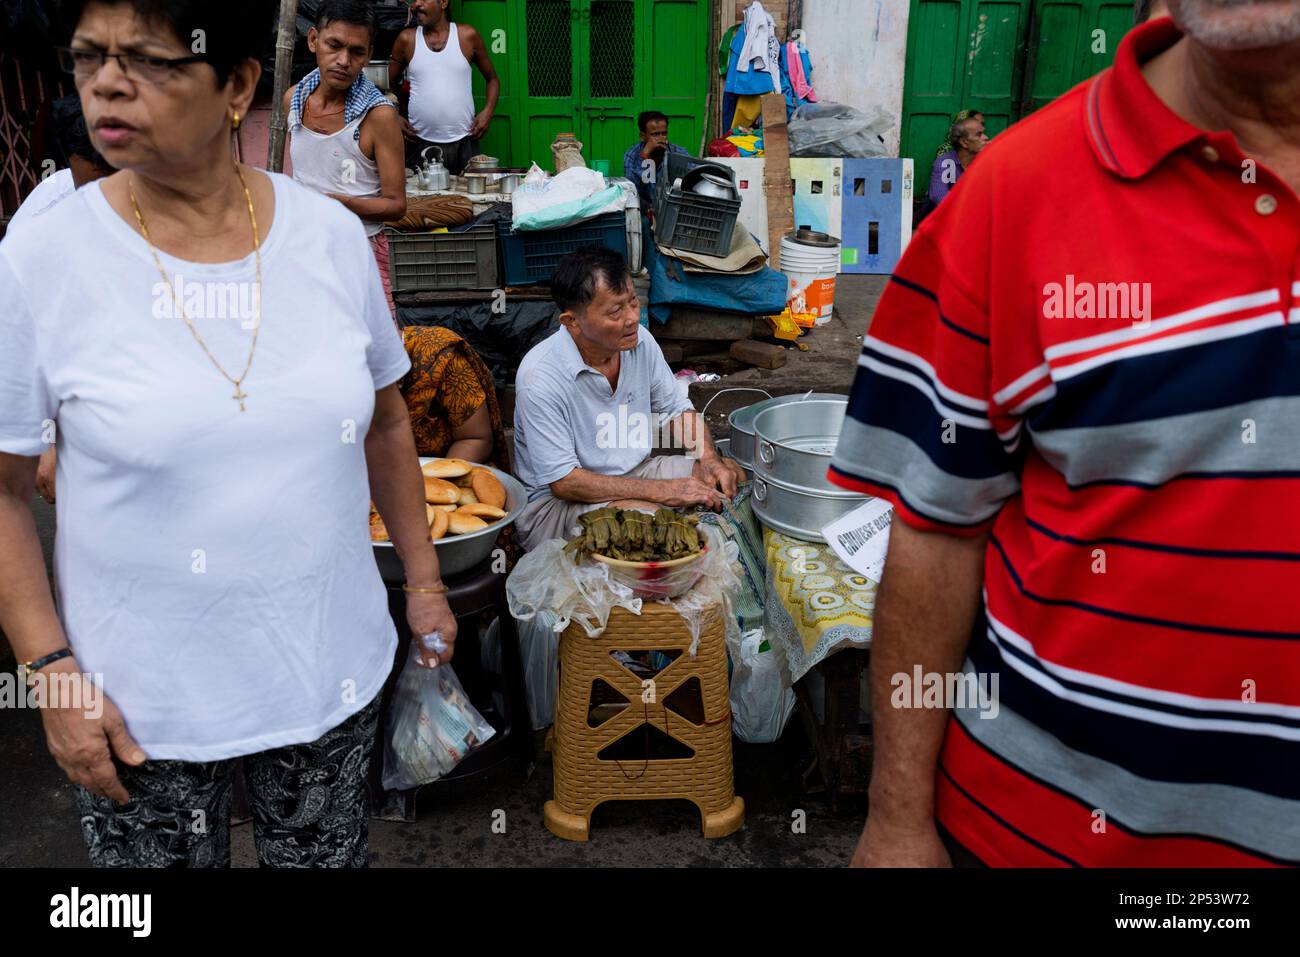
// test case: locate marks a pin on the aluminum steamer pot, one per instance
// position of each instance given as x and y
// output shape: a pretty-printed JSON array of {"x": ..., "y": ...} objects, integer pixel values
[
  {"x": 742, "y": 423},
  {"x": 793, "y": 443},
  {"x": 459, "y": 553},
  {"x": 800, "y": 513}
]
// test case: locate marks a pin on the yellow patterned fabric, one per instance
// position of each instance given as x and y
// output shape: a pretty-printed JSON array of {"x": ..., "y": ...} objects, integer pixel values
[{"x": 815, "y": 603}]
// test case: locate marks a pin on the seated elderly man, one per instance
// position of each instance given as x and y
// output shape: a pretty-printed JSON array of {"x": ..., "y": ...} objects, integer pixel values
[{"x": 590, "y": 401}]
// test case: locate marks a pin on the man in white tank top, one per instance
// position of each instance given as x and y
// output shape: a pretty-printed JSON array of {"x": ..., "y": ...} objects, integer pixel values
[
  {"x": 435, "y": 56},
  {"x": 345, "y": 137}
]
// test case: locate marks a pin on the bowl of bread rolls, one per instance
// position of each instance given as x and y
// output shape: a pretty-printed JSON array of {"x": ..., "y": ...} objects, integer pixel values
[{"x": 467, "y": 505}]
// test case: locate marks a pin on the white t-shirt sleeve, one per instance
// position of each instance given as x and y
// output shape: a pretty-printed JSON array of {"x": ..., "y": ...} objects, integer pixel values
[
  {"x": 386, "y": 355},
  {"x": 26, "y": 404}
]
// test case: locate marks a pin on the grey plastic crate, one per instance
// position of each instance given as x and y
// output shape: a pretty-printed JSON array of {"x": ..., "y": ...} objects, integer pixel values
[
  {"x": 689, "y": 221},
  {"x": 428, "y": 262}
]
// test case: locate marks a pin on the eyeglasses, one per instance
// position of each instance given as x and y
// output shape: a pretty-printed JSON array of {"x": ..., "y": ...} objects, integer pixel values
[{"x": 83, "y": 64}]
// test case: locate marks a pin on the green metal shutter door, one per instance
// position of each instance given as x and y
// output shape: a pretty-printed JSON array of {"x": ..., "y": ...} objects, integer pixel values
[
  {"x": 1068, "y": 48},
  {"x": 961, "y": 54},
  {"x": 495, "y": 22},
  {"x": 589, "y": 67}
]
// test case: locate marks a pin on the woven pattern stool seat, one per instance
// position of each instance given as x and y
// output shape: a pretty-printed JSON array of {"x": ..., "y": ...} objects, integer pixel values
[{"x": 687, "y": 702}]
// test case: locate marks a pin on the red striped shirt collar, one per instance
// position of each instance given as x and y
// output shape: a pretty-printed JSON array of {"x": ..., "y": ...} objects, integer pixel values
[{"x": 1130, "y": 128}]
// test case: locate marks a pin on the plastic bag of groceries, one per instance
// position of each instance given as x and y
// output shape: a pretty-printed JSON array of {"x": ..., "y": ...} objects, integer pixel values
[
  {"x": 761, "y": 697},
  {"x": 431, "y": 725}
]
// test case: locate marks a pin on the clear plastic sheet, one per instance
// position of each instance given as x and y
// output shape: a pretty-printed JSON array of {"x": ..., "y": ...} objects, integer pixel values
[
  {"x": 834, "y": 130},
  {"x": 547, "y": 580}
]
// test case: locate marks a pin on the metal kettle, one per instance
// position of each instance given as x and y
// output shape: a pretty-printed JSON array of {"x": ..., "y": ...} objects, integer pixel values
[{"x": 434, "y": 176}]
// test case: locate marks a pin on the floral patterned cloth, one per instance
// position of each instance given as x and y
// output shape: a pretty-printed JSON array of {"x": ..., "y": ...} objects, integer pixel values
[
  {"x": 447, "y": 384},
  {"x": 815, "y": 604}
]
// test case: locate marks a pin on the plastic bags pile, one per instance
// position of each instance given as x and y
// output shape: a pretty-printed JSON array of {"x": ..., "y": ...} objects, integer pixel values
[
  {"x": 761, "y": 697},
  {"x": 833, "y": 129},
  {"x": 546, "y": 579},
  {"x": 543, "y": 201}
]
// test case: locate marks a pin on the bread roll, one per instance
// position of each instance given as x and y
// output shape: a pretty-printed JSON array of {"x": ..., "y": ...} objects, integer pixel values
[
  {"x": 378, "y": 533},
  {"x": 487, "y": 489},
  {"x": 447, "y": 508},
  {"x": 467, "y": 497},
  {"x": 446, "y": 468},
  {"x": 461, "y": 524},
  {"x": 482, "y": 510},
  {"x": 439, "y": 491},
  {"x": 438, "y": 526}
]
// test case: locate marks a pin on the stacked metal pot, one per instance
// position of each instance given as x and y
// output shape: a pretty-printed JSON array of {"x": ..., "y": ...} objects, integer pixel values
[{"x": 787, "y": 442}]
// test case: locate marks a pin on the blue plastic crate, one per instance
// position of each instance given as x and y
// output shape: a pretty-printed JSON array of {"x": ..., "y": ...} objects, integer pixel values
[{"x": 531, "y": 257}]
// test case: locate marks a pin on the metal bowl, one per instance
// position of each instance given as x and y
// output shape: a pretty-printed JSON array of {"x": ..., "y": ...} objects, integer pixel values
[
  {"x": 799, "y": 512},
  {"x": 460, "y": 553},
  {"x": 794, "y": 443},
  {"x": 742, "y": 423}
]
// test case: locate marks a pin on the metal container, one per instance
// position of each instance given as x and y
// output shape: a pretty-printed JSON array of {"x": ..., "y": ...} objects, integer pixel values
[
  {"x": 794, "y": 442},
  {"x": 710, "y": 184},
  {"x": 800, "y": 513},
  {"x": 476, "y": 183},
  {"x": 483, "y": 164},
  {"x": 742, "y": 423},
  {"x": 459, "y": 553},
  {"x": 509, "y": 182},
  {"x": 377, "y": 71}
]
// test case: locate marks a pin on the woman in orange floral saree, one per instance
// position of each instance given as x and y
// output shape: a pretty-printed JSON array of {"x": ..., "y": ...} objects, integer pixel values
[{"x": 452, "y": 399}]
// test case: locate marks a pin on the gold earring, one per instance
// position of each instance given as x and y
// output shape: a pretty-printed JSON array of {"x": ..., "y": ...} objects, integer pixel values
[{"x": 234, "y": 123}]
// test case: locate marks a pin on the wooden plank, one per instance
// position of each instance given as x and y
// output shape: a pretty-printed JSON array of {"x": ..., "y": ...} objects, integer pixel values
[
  {"x": 776, "y": 176},
  {"x": 762, "y": 355}
]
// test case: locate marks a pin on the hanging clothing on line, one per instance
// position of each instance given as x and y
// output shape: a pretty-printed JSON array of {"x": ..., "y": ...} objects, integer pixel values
[
  {"x": 754, "y": 65},
  {"x": 800, "y": 67}
]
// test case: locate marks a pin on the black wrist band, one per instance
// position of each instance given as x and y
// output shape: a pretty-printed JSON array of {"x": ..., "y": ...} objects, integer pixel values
[{"x": 31, "y": 667}]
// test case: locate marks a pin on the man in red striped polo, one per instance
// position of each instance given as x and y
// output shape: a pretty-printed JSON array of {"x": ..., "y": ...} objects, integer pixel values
[{"x": 1081, "y": 391}]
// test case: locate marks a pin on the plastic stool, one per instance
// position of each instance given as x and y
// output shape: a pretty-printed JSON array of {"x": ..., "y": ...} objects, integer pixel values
[{"x": 687, "y": 702}]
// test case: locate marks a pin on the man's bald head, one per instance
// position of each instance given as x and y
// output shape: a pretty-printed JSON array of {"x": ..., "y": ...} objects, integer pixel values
[{"x": 1238, "y": 24}]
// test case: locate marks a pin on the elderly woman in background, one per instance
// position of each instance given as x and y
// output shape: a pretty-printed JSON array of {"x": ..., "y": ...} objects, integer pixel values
[
  {"x": 452, "y": 399},
  {"x": 215, "y": 575}
]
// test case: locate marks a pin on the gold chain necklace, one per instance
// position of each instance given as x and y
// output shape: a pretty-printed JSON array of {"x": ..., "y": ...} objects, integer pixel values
[{"x": 240, "y": 395}]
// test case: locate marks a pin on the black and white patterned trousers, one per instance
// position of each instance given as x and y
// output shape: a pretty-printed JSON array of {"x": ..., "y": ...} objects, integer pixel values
[{"x": 310, "y": 803}]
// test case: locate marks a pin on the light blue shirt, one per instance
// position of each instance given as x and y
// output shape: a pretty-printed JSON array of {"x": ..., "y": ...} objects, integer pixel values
[{"x": 567, "y": 417}]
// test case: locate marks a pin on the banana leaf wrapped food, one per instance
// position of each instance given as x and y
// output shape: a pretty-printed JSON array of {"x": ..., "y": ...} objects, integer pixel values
[{"x": 636, "y": 536}]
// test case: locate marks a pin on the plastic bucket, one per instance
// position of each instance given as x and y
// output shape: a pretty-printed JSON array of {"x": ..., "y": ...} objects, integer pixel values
[{"x": 810, "y": 273}]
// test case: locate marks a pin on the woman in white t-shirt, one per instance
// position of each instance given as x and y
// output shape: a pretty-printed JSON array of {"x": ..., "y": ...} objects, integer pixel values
[{"x": 211, "y": 346}]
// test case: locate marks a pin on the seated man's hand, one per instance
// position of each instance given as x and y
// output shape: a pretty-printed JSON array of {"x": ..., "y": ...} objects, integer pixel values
[
  {"x": 687, "y": 492},
  {"x": 718, "y": 473}
]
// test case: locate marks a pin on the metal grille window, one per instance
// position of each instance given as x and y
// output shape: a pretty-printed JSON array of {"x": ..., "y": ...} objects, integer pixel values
[
  {"x": 23, "y": 89},
  {"x": 550, "y": 48},
  {"x": 613, "y": 48}
]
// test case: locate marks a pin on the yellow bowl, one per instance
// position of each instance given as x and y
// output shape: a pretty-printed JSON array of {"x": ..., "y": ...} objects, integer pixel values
[{"x": 656, "y": 579}]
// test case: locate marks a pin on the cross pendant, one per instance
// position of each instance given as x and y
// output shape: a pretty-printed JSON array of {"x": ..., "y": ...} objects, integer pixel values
[{"x": 239, "y": 396}]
